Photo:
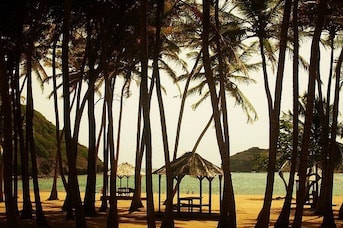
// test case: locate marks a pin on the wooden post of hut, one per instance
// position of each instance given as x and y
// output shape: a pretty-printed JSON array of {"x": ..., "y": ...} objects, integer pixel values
[
  {"x": 200, "y": 179},
  {"x": 159, "y": 193},
  {"x": 210, "y": 194},
  {"x": 220, "y": 190}
]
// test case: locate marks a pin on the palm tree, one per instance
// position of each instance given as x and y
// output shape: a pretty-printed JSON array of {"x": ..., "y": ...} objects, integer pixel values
[
  {"x": 7, "y": 145},
  {"x": 260, "y": 15},
  {"x": 313, "y": 71},
  {"x": 168, "y": 220},
  {"x": 89, "y": 202},
  {"x": 274, "y": 116},
  {"x": 283, "y": 219},
  {"x": 73, "y": 188},
  {"x": 30, "y": 144},
  {"x": 328, "y": 218},
  {"x": 227, "y": 210},
  {"x": 333, "y": 26},
  {"x": 146, "y": 113},
  {"x": 58, "y": 161}
]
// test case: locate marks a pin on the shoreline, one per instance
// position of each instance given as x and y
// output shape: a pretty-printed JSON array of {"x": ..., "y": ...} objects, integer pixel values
[{"x": 247, "y": 209}]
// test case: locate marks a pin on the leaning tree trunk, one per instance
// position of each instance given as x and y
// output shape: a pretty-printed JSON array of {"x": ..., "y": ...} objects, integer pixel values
[
  {"x": 1, "y": 172},
  {"x": 136, "y": 202},
  {"x": 274, "y": 116},
  {"x": 325, "y": 123},
  {"x": 89, "y": 201},
  {"x": 328, "y": 218},
  {"x": 54, "y": 192},
  {"x": 7, "y": 144},
  {"x": 168, "y": 219},
  {"x": 227, "y": 211},
  {"x": 228, "y": 193},
  {"x": 112, "y": 218},
  {"x": 30, "y": 144},
  {"x": 73, "y": 188},
  {"x": 313, "y": 71},
  {"x": 103, "y": 207},
  {"x": 26, "y": 212},
  {"x": 182, "y": 105},
  {"x": 146, "y": 114},
  {"x": 283, "y": 219}
]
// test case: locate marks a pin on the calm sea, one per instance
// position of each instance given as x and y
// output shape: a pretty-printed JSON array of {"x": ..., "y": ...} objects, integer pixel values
[{"x": 243, "y": 183}]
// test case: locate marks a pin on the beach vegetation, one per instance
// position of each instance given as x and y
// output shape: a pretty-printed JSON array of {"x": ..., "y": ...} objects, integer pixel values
[{"x": 90, "y": 49}]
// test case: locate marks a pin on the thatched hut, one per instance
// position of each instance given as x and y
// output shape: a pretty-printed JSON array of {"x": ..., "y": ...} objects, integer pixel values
[
  {"x": 125, "y": 170},
  {"x": 194, "y": 165}
]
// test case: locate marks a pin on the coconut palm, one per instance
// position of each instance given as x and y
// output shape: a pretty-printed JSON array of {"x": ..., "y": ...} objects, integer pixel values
[
  {"x": 71, "y": 153},
  {"x": 283, "y": 219},
  {"x": 7, "y": 144},
  {"x": 260, "y": 15},
  {"x": 145, "y": 111},
  {"x": 309, "y": 112}
]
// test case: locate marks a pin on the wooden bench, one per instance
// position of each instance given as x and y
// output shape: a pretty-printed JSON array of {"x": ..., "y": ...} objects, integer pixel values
[
  {"x": 190, "y": 206},
  {"x": 125, "y": 191}
]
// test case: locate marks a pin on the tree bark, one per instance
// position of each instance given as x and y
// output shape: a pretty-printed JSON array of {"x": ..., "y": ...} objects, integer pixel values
[
  {"x": 30, "y": 143},
  {"x": 274, "y": 116},
  {"x": 313, "y": 71},
  {"x": 328, "y": 218},
  {"x": 54, "y": 192},
  {"x": 7, "y": 145},
  {"x": 146, "y": 113},
  {"x": 73, "y": 188},
  {"x": 283, "y": 219}
]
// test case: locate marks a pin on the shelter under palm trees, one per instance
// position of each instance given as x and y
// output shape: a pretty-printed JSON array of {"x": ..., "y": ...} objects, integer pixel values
[
  {"x": 194, "y": 165},
  {"x": 125, "y": 170}
]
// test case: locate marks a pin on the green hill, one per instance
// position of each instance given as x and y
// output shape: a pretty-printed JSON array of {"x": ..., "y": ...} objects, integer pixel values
[
  {"x": 44, "y": 134},
  {"x": 256, "y": 160},
  {"x": 251, "y": 160}
]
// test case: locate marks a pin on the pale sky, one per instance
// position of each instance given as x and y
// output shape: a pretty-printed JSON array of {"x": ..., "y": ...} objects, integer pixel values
[{"x": 243, "y": 135}]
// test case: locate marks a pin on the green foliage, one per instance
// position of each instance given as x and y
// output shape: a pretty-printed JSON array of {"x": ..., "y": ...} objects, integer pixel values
[
  {"x": 251, "y": 160},
  {"x": 45, "y": 142}
]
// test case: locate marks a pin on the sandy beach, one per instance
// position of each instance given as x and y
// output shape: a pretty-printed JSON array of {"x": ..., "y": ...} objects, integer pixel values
[{"x": 247, "y": 207}]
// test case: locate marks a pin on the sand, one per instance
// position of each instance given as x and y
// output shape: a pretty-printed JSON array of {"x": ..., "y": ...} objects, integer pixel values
[{"x": 247, "y": 207}]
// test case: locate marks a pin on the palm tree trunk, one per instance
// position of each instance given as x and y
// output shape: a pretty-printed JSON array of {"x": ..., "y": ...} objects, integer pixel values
[
  {"x": 227, "y": 212},
  {"x": 30, "y": 144},
  {"x": 328, "y": 218},
  {"x": 182, "y": 106},
  {"x": 54, "y": 192},
  {"x": 73, "y": 188},
  {"x": 228, "y": 193},
  {"x": 274, "y": 116},
  {"x": 1, "y": 173},
  {"x": 7, "y": 145},
  {"x": 168, "y": 219},
  {"x": 26, "y": 212},
  {"x": 126, "y": 83},
  {"x": 15, "y": 147},
  {"x": 112, "y": 218},
  {"x": 313, "y": 71},
  {"x": 89, "y": 200},
  {"x": 146, "y": 114},
  {"x": 136, "y": 202},
  {"x": 325, "y": 123},
  {"x": 103, "y": 206},
  {"x": 283, "y": 219}
]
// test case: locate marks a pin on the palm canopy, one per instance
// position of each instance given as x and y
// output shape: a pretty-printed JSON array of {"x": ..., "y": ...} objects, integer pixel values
[{"x": 191, "y": 164}]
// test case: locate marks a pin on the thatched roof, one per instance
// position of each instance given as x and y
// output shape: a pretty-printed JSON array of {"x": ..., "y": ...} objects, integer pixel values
[
  {"x": 192, "y": 164},
  {"x": 125, "y": 169}
]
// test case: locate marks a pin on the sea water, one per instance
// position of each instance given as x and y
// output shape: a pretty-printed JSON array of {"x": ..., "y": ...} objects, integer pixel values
[{"x": 243, "y": 183}]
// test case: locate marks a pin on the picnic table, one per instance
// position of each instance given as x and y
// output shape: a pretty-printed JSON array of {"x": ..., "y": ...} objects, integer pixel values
[{"x": 190, "y": 202}]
